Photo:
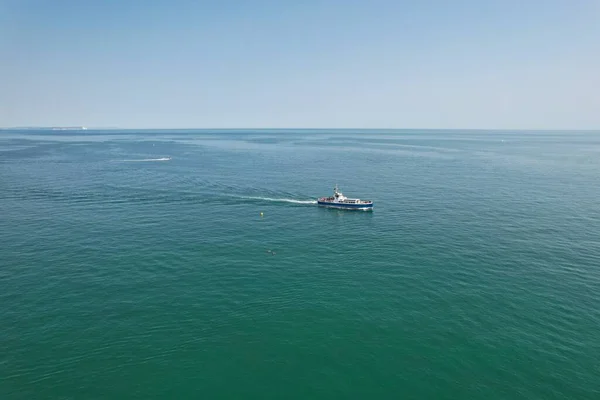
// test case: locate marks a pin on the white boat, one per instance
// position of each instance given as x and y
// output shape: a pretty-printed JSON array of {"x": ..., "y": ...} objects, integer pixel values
[{"x": 338, "y": 200}]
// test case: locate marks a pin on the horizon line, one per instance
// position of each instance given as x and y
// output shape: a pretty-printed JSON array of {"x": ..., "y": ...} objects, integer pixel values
[{"x": 84, "y": 128}]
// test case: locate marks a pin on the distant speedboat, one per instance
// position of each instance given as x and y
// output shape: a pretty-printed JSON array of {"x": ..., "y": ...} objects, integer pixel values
[{"x": 338, "y": 200}]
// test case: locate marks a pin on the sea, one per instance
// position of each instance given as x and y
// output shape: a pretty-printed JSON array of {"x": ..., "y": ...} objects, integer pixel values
[{"x": 196, "y": 264}]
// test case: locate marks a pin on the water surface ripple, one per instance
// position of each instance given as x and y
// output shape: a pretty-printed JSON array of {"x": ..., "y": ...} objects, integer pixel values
[{"x": 136, "y": 264}]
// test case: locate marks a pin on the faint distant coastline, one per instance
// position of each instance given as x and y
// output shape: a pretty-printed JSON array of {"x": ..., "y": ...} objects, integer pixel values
[
  {"x": 49, "y": 128},
  {"x": 69, "y": 128}
]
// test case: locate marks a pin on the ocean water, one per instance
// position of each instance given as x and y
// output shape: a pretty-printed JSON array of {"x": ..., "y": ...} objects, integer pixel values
[{"x": 136, "y": 265}]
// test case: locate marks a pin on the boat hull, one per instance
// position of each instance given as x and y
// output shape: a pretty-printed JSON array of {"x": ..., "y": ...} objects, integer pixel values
[{"x": 359, "y": 206}]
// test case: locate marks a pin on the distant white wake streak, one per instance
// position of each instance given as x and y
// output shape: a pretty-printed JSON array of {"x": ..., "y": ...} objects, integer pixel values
[
  {"x": 283, "y": 200},
  {"x": 148, "y": 159}
]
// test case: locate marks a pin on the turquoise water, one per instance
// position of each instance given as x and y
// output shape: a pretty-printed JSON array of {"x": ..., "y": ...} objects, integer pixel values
[{"x": 135, "y": 264}]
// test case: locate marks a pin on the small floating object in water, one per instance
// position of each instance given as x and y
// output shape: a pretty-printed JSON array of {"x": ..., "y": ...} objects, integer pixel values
[
  {"x": 273, "y": 253},
  {"x": 261, "y": 214},
  {"x": 269, "y": 251}
]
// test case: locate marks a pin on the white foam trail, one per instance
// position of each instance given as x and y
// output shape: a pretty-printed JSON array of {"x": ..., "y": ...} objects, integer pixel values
[
  {"x": 148, "y": 159},
  {"x": 283, "y": 200}
]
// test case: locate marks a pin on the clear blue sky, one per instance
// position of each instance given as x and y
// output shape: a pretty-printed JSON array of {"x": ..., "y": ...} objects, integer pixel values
[{"x": 369, "y": 64}]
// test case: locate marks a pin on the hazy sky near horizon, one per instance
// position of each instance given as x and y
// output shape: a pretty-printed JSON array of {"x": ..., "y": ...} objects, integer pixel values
[{"x": 332, "y": 64}]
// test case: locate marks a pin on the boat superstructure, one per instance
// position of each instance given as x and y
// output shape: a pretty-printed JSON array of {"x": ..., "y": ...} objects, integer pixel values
[{"x": 338, "y": 200}]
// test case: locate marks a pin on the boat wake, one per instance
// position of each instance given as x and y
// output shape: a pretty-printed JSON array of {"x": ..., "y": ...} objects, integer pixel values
[
  {"x": 294, "y": 201},
  {"x": 147, "y": 159}
]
